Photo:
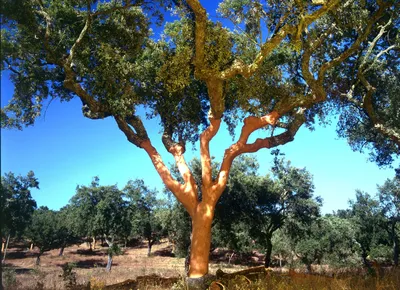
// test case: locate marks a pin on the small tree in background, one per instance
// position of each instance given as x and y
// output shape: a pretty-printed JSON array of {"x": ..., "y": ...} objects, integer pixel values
[
  {"x": 389, "y": 203},
  {"x": 68, "y": 235},
  {"x": 44, "y": 231},
  {"x": 260, "y": 205},
  {"x": 368, "y": 224},
  {"x": 142, "y": 203},
  {"x": 110, "y": 218},
  {"x": 101, "y": 211},
  {"x": 16, "y": 205}
]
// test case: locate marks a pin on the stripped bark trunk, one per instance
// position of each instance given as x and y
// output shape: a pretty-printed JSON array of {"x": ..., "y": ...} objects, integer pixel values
[
  {"x": 201, "y": 240},
  {"x": 5, "y": 249}
]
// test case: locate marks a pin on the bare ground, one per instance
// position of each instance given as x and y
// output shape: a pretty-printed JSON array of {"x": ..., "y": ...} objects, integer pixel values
[{"x": 90, "y": 265}]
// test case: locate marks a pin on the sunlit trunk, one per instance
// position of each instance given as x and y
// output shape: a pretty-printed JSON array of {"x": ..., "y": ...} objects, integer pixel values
[
  {"x": 5, "y": 249},
  {"x": 201, "y": 240},
  {"x": 31, "y": 248},
  {"x": 94, "y": 243}
]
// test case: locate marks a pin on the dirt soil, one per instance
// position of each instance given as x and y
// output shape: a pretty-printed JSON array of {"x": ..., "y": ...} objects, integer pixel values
[{"x": 90, "y": 265}]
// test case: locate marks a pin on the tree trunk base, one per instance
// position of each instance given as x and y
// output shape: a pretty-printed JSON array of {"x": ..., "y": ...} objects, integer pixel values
[{"x": 201, "y": 283}]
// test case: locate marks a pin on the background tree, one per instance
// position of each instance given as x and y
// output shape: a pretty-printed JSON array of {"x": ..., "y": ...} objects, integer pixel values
[
  {"x": 101, "y": 211},
  {"x": 65, "y": 222},
  {"x": 291, "y": 196},
  {"x": 17, "y": 205},
  {"x": 110, "y": 219},
  {"x": 285, "y": 70},
  {"x": 305, "y": 242},
  {"x": 338, "y": 236},
  {"x": 389, "y": 202},
  {"x": 44, "y": 231},
  {"x": 179, "y": 228},
  {"x": 253, "y": 207},
  {"x": 83, "y": 205},
  {"x": 368, "y": 224},
  {"x": 143, "y": 205}
]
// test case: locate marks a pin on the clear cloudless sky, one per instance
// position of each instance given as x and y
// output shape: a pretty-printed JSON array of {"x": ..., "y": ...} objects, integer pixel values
[{"x": 64, "y": 149}]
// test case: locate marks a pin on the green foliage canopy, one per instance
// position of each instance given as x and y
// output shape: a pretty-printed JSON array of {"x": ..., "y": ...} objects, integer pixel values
[
  {"x": 17, "y": 204},
  {"x": 302, "y": 59}
]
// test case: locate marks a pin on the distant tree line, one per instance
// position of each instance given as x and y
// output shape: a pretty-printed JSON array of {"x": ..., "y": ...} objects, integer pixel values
[{"x": 277, "y": 215}]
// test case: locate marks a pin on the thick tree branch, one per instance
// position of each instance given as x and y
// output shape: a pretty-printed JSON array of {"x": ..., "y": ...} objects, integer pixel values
[
  {"x": 91, "y": 108},
  {"x": 250, "y": 125},
  {"x": 132, "y": 137},
  {"x": 274, "y": 141},
  {"x": 187, "y": 195},
  {"x": 177, "y": 150},
  {"x": 205, "y": 138}
]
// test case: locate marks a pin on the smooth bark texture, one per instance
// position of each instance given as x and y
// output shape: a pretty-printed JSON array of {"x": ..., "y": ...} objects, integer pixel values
[{"x": 201, "y": 240}]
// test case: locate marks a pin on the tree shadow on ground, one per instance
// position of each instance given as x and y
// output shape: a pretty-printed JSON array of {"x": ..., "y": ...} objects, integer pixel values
[
  {"x": 90, "y": 263},
  {"x": 20, "y": 254},
  {"x": 17, "y": 270},
  {"x": 164, "y": 252},
  {"x": 88, "y": 252}
]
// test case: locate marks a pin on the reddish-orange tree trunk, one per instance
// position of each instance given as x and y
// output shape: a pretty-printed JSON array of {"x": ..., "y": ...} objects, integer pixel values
[{"x": 201, "y": 240}]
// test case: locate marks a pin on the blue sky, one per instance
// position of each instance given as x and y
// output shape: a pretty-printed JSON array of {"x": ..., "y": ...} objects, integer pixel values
[{"x": 64, "y": 149}]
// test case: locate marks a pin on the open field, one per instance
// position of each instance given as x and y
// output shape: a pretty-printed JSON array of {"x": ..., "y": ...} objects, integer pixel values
[
  {"x": 90, "y": 265},
  {"x": 134, "y": 264}
]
